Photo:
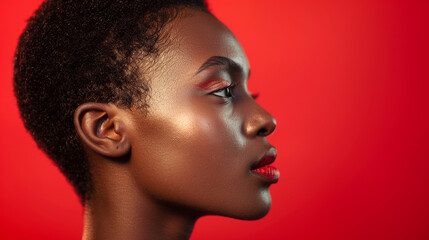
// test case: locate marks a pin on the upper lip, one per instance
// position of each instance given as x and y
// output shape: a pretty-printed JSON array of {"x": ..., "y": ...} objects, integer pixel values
[{"x": 268, "y": 158}]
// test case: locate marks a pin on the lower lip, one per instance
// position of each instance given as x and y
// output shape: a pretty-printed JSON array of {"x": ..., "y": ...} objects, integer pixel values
[{"x": 270, "y": 173}]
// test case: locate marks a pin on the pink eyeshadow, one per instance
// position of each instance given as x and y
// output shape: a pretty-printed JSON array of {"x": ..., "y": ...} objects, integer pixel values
[{"x": 213, "y": 84}]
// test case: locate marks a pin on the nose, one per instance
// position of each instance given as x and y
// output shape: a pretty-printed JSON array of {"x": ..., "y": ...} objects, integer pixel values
[{"x": 259, "y": 122}]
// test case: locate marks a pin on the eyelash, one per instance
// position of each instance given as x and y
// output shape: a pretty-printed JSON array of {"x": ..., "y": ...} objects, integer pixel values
[
  {"x": 255, "y": 95},
  {"x": 226, "y": 90},
  {"x": 229, "y": 93}
]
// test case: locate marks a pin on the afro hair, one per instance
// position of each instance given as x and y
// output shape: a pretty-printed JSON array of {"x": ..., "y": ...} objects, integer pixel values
[{"x": 77, "y": 51}]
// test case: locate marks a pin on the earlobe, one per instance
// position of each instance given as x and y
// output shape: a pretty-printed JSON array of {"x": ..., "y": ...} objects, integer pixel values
[{"x": 102, "y": 128}]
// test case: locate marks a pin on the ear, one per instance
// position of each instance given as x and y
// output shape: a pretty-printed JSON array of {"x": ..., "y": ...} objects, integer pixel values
[{"x": 102, "y": 127}]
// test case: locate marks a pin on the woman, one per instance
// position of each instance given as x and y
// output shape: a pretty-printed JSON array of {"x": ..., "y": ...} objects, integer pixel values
[{"x": 144, "y": 107}]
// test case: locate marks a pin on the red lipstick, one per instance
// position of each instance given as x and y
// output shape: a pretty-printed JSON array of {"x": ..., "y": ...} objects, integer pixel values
[{"x": 263, "y": 168}]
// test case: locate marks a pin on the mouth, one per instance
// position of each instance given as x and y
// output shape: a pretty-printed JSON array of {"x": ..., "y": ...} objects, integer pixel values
[{"x": 263, "y": 168}]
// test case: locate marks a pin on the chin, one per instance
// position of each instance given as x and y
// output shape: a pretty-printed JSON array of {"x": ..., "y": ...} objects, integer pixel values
[
  {"x": 252, "y": 211},
  {"x": 256, "y": 214},
  {"x": 253, "y": 214}
]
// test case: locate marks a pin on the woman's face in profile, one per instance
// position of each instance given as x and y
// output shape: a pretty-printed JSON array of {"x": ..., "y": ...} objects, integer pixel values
[{"x": 201, "y": 144}]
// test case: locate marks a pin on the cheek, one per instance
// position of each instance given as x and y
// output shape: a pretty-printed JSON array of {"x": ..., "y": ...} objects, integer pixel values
[
  {"x": 187, "y": 148},
  {"x": 198, "y": 159}
]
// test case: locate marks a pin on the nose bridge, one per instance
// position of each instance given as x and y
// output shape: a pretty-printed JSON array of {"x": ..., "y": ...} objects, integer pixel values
[{"x": 258, "y": 122}]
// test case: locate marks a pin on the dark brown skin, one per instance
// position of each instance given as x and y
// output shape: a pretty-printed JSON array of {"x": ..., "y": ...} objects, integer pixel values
[{"x": 190, "y": 152}]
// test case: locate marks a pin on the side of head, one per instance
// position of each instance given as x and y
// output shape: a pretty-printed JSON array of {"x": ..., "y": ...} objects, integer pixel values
[
  {"x": 151, "y": 98},
  {"x": 81, "y": 52}
]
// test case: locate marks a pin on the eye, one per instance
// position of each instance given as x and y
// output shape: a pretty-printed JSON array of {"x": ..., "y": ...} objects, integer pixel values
[{"x": 224, "y": 92}]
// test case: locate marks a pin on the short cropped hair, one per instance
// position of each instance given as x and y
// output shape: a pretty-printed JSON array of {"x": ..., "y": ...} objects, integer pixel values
[{"x": 72, "y": 52}]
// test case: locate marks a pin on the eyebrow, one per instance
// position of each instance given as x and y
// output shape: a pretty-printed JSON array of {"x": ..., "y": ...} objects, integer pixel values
[{"x": 221, "y": 61}]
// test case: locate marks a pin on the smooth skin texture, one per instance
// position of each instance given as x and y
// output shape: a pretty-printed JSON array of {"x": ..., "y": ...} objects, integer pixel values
[{"x": 190, "y": 153}]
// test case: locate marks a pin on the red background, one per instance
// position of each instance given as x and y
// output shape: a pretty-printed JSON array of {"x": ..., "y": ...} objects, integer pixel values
[{"x": 348, "y": 84}]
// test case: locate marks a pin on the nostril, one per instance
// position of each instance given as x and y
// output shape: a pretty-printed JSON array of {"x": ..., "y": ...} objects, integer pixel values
[{"x": 262, "y": 132}]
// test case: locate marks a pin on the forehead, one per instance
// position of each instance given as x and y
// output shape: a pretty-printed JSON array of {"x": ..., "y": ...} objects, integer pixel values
[{"x": 196, "y": 36}]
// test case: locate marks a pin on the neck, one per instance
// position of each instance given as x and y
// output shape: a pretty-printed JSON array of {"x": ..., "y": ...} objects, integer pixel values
[
  {"x": 116, "y": 211},
  {"x": 114, "y": 224}
]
